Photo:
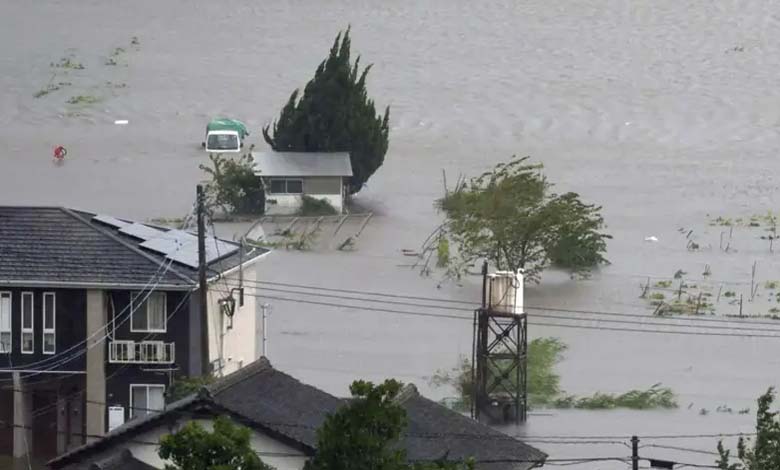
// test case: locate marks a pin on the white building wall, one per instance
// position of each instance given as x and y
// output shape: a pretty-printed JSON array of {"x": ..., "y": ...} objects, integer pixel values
[
  {"x": 284, "y": 458},
  {"x": 289, "y": 204},
  {"x": 236, "y": 346}
]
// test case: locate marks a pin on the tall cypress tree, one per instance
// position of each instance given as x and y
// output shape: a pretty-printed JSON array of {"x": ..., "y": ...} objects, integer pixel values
[{"x": 334, "y": 114}]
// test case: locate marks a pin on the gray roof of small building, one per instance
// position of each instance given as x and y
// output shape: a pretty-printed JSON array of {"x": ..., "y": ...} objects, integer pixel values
[
  {"x": 290, "y": 411},
  {"x": 60, "y": 247},
  {"x": 302, "y": 164}
]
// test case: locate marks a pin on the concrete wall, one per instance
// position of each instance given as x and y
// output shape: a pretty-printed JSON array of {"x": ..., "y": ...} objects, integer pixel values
[
  {"x": 289, "y": 204},
  {"x": 96, "y": 364},
  {"x": 236, "y": 346},
  {"x": 329, "y": 188},
  {"x": 322, "y": 185}
]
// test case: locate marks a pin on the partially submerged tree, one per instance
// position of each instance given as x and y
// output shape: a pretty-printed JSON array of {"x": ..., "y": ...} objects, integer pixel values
[
  {"x": 764, "y": 452},
  {"x": 234, "y": 187},
  {"x": 364, "y": 434},
  {"x": 226, "y": 447},
  {"x": 510, "y": 217},
  {"x": 334, "y": 114}
]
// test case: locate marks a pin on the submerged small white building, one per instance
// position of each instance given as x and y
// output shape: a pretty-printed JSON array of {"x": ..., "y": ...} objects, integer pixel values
[{"x": 288, "y": 176}]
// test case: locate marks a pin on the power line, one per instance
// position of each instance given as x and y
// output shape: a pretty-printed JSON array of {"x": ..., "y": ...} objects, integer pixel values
[
  {"x": 476, "y": 305},
  {"x": 643, "y": 323},
  {"x": 531, "y": 320}
]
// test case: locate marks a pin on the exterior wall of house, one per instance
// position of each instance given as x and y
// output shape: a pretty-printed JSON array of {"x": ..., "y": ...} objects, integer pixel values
[
  {"x": 233, "y": 347},
  {"x": 70, "y": 331},
  {"x": 285, "y": 458},
  {"x": 328, "y": 188},
  {"x": 120, "y": 376},
  {"x": 52, "y": 408}
]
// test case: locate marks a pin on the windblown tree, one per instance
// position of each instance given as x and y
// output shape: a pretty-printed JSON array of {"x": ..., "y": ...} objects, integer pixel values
[
  {"x": 334, "y": 114},
  {"x": 510, "y": 217},
  {"x": 364, "y": 434},
  {"x": 763, "y": 453}
]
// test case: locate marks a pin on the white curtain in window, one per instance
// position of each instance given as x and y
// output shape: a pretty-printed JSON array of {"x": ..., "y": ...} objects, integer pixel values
[
  {"x": 140, "y": 404},
  {"x": 156, "y": 398},
  {"x": 155, "y": 309},
  {"x": 5, "y": 323}
]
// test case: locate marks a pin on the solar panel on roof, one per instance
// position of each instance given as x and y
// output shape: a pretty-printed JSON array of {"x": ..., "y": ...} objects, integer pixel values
[
  {"x": 161, "y": 245},
  {"x": 188, "y": 257},
  {"x": 141, "y": 231},
  {"x": 108, "y": 220}
]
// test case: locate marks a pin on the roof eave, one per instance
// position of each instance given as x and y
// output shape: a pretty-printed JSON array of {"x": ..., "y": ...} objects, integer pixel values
[{"x": 90, "y": 285}]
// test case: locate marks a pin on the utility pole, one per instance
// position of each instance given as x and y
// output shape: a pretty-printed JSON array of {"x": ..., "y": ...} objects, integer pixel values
[
  {"x": 202, "y": 284},
  {"x": 634, "y": 453}
]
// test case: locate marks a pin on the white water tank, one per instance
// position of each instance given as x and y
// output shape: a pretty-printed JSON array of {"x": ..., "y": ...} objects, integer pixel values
[{"x": 505, "y": 292}]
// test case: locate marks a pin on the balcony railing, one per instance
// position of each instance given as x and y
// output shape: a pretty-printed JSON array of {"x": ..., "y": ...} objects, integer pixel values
[{"x": 143, "y": 352}]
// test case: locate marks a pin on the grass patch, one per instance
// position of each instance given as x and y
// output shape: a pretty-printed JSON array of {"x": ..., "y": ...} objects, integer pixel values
[
  {"x": 83, "y": 99},
  {"x": 544, "y": 384},
  {"x": 663, "y": 284},
  {"x": 443, "y": 253},
  {"x": 653, "y": 398},
  {"x": 51, "y": 87},
  {"x": 68, "y": 63},
  {"x": 312, "y": 206},
  {"x": 729, "y": 294}
]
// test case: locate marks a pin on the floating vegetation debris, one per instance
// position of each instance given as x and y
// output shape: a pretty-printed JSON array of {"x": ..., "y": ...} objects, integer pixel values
[
  {"x": 51, "y": 87},
  {"x": 83, "y": 99},
  {"x": 68, "y": 63}
]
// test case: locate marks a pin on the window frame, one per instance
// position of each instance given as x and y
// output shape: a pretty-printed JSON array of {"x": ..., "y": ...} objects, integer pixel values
[
  {"x": 286, "y": 190},
  {"x": 9, "y": 349},
  {"x": 53, "y": 329},
  {"x": 146, "y": 411},
  {"x": 30, "y": 330},
  {"x": 145, "y": 303}
]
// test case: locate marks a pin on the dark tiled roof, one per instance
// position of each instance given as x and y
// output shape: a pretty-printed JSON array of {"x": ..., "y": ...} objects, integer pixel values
[
  {"x": 52, "y": 245},
  {"x": 435, "y": 431},
  {"x": 280, "y": 402},
  {"x": 262, "y": 397},
  {"x": 55, "y": 246}
]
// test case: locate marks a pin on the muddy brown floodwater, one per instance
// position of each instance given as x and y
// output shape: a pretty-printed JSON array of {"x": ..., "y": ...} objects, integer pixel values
[{"x": 662, "y": 111}]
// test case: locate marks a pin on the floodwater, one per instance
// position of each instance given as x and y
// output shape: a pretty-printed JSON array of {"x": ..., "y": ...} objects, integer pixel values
[{"x": 663, "y": 111}]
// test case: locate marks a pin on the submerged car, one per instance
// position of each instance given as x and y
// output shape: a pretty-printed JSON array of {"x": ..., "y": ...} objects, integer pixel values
[{"x": 224, "y": 135}]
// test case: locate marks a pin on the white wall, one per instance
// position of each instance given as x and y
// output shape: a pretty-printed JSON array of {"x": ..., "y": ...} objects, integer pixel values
[
  {"x": 261, "y": 443},
  {"x": 287, "y": 204},
  {"x": 237, "y": 345}
]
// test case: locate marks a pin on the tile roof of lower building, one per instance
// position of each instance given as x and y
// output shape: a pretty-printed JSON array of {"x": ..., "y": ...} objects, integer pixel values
[{"x": 281, "y": 406}]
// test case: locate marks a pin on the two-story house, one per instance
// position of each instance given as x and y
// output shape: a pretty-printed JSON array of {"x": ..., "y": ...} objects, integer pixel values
[{"x": 98, "y": 316}]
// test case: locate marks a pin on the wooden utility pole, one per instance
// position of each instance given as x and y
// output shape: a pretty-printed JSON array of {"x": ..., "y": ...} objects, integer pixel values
[{"x": 203, "y": 285}]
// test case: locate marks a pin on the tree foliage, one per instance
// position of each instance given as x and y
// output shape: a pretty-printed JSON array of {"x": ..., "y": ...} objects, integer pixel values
[
  {"x": 227, "y": 447},
  {"x": 234, "y": 187},
  {"x": 764, "y": 452},
  {"x": 185, "y": 386},
  {"x": 364, "y": 434},
  {"x": 511, "y": 217},
  {"x": 334, "y": 114}
]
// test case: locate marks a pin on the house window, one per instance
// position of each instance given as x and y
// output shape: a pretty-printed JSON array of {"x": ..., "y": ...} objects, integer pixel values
[
  {"x": 149, "y": 315},
  {"x": 27, "y": 323},
  {"x": 286, "y": 186},
  {"x": 146, "y": 399},
  {"x": 49, "y": 322},
  {"x": 5, "y": 322}
]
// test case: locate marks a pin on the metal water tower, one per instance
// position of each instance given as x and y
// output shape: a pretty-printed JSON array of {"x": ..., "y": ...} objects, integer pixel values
[{"x": 500, "y": 350}]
